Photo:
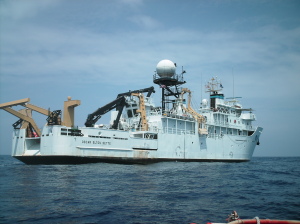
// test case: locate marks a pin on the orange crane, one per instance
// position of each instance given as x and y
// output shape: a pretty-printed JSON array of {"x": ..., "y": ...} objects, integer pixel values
[
  {"x": 201, "y": 120},
  {"x": 53, "y": 117}
]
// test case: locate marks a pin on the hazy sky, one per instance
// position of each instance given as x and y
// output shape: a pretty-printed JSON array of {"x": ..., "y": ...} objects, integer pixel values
[{"x": 93, "y": 50}]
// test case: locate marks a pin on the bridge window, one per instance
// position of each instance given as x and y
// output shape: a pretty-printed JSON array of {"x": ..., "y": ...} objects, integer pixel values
[{"x": 129, "y": 113}]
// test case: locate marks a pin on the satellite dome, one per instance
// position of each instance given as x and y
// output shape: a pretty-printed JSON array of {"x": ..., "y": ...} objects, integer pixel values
[
  {"x": 165, "y": 68},
  {"x": 204, "y": 103}
]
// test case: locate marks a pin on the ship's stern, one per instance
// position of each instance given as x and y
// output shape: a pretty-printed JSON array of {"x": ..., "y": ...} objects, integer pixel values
[
  {"x": 18, "y": 142},
  {"x": 24, "y": 147}
]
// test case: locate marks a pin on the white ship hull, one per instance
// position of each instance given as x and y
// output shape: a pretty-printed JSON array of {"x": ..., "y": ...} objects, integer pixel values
[
  {"x": 122, "y": 147},
  {"x": 139, "y": 131}
]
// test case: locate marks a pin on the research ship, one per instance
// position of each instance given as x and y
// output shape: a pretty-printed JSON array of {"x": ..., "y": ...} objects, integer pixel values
[{"x": 139, "y": 131}]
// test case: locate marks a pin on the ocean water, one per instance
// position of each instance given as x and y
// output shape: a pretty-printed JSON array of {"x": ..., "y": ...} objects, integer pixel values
[{"x": 167, "y": 192}]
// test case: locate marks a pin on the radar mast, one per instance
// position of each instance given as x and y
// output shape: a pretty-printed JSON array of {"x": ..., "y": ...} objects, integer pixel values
[{"x": 214, "y": 87}]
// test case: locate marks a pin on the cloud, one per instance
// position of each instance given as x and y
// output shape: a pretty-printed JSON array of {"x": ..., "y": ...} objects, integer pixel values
[
  {"x": 145, "y": 22},
  {"x": 42, "y": 51},
  {"x": 132, "y": 3},
  {"x": 20, "y": 10}
]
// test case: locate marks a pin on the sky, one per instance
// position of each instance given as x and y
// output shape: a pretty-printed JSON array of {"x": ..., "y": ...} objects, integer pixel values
[{"x": 93, "y": 50}]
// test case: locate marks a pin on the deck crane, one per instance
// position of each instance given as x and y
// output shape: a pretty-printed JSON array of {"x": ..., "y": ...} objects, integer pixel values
[
  {"x": 54, "y": 117},
  {"x": 117, "y": 104},
  {"x": 198, "y": 117}
]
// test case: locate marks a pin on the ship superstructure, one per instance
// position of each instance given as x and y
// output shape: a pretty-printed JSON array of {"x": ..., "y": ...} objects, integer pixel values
[{"x": 139, "y": 131}]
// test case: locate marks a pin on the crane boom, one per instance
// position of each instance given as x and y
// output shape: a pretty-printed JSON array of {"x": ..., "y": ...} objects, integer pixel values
[
  {"x": 148, "y": 90},
  {"x": 25, "y": 118},
  {"x": 95, "y": 116},
  {"x": 117, "y": 104}
]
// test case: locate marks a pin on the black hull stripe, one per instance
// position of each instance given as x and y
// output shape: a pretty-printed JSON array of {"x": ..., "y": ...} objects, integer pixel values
[{"x": 51, "y": 160}]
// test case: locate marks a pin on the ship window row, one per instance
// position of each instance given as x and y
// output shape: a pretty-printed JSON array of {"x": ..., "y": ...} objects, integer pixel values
[
  {"x": 106, "y": 137},
  {"x": 150, "y": 136},
  {"x": 217, "y": 131},
  {"x": 120, "y": 138},
  {"x": 145, "y": 135},
  {"x": 71, "y": 132},
  {"x": 222, "y": 110},
  {"x": 97, "y": 136},
  {"x": 220, "y": 119},
  {"x": 178, "y": 131},
  {"x": 227, "y": 122},
  {"x": 185, "y": 117}
]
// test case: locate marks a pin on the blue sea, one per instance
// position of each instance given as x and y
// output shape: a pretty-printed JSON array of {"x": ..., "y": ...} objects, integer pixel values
[{"x": 166, "y": 192}]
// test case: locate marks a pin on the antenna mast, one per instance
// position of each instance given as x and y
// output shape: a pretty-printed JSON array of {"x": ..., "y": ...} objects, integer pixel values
[
  {"x": 168, "y": 81},
  {"x": 201, "y": 88},
  {"x": 232, "y": 83}
]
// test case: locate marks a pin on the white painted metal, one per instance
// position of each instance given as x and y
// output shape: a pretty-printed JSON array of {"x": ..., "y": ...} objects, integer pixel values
[{"x": 172, "y": 135}]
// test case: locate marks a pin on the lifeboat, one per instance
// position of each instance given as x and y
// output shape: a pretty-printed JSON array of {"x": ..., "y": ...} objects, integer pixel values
[
  {"x": 260, "y": 221},
  {"x": 234, "y": 218}
]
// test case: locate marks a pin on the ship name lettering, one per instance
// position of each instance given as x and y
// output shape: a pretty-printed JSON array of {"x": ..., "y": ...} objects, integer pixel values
[
  {"x": 95, "y": 142},
  {"x": 86, "y": 142}
]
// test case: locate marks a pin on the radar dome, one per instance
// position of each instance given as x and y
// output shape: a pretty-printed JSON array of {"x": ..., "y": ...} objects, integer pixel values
[
  {"x": 204, "y": 103},
  {"x": 165, "y": 68}
]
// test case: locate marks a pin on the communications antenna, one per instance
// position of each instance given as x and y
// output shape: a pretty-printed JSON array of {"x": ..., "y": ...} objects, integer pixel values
[{"x": 167, "y": 79}]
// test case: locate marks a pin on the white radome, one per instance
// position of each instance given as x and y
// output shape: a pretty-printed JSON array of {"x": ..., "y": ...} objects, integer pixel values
[
  {"x": 204, "y": 103},
  {"x": 165, "y": 68}
]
